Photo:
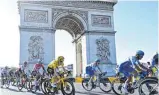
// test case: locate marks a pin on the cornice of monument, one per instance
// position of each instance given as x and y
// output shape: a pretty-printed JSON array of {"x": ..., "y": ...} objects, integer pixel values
[
  {"x": 100, "y": 4},
  {"x": 37, "y": 29},
  {"x": 101, "y": 32},
  {"x": 94, "y": 33},
  {"x": 32, "y": 27}
]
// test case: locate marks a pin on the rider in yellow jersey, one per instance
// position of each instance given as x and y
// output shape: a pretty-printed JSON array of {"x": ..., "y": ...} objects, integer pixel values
[{"x": 53, "y": 69}]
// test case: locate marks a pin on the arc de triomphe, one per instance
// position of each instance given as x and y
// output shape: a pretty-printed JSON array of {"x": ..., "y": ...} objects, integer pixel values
[{"x": 90, "y": 23}]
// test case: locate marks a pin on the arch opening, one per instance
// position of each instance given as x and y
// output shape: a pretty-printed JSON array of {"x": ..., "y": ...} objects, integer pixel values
[
  {"x": 64, "y": 47},
  {"x": 74, "y": 27}
]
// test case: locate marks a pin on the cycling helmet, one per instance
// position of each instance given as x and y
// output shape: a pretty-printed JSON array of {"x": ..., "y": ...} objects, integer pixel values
[
  {"x": 39, "y": 61},
  {"x": 140, "y": 53},
  {"x": 97, "y": 61},
  {"x": 25, "y": 62},
  {"x": 6, "y": 67},
  {"x": 61, "y": 58}
]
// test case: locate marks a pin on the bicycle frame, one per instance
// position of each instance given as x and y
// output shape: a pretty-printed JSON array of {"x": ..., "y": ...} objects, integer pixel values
[{"x": 61, "y": 80}]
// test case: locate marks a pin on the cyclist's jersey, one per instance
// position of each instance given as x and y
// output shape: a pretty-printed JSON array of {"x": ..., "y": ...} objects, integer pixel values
[
  {"x": 129, "y": 64},
  {"x": 146, "y": 65},
  {"x": 11, "y": 72},
  {"x": 94, "y": 67},
  {"x": 4, "y": 71},
  {"x": 23, "y": 68},
  {"x": 155, "y": 59},
  {"x": 54, "y": 64},
  {"x": 37, "y": 67}
]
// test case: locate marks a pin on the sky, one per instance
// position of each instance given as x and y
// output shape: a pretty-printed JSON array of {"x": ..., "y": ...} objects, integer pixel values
[{"x": 135, "y": 22}]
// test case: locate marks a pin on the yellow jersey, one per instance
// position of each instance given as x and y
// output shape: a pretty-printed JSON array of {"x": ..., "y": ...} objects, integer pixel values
[{"x": 54, "y": 64}]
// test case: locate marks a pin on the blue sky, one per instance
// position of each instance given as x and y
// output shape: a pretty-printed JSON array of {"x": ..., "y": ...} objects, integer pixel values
[{"x": 135, "y": 22}]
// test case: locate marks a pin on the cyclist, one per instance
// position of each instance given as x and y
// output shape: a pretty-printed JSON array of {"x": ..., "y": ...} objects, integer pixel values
[
  {"x": 155, "y": 64},
  {"x": 131, "y": 67},
  {"x": 95, "y": 70},
  {"x": 36, "y": 71},
  {"x": 4, "y": 73},
  {"x": 11, "y": 73},
  {"x": 154, "y": 71},
  {"x": 54, "y": 69},
  {"x": 23, "y": 69}
]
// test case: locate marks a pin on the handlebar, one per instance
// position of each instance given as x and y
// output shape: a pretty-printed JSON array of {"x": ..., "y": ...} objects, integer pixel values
[
  {"x": 63, "y": 73},
  {"x": 103, "y": 73}
]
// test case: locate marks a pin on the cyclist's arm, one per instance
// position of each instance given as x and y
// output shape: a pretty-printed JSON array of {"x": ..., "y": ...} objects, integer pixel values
[
  {"x": 34, "y": 68},
  {"x": 55, "y": 73},
  {"x": 143, "y": 67},
  {"x": 63, "y": 68},
  {"x": 43, "y": 68},
  {"x": 99, "y": 69},
  {"x": 137, "y": 66}
]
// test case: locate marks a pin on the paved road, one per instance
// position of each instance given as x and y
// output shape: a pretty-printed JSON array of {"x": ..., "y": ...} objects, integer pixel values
[{"x": 79, "y": 91}]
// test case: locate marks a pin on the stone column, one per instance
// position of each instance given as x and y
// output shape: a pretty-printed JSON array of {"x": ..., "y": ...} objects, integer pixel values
[{"x": 74, "y": 64}]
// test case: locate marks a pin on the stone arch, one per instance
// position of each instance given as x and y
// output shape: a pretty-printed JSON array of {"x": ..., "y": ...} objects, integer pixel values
[
  {"x": 94, "y": 19},
  {"x": 70, "y": 14}
]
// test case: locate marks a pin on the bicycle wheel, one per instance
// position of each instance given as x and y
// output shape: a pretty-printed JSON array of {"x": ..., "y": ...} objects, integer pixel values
[
  {"x": 149, "y": 87},
  {"x": 7, "y": 83},
  {"x": 12, "y": 82},
  {"x": 68, "y": 87},
  {"x": 105, "y": 85},
  {"x": 32, "y": 87},
  {"x": 42, "y": 86},
  {"x": 117, "y": 86},
  {"x": 1, "y": 82},
  {"x": 27, "y": 84},
  {"x": 48, "y": 89},
  {"x": 87, "y": 86},
  {"x": 20, "y": 85}
]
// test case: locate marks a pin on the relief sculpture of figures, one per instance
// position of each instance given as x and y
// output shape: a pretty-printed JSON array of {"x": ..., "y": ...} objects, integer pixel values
[
  {"x": 35, "y": 48},
  {"x": 103, "y": 51}
]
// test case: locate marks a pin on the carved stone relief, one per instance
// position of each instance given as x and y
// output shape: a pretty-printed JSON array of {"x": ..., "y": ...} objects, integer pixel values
[
  {"x": 101, "y": 20},
  {"x": 37, "y": 16},
  {"x": 103, "y": 49},
  {"x": 83, "y": 14},
  {"x": 36, "y": 48},
  {"x": 69, "y": 24}
]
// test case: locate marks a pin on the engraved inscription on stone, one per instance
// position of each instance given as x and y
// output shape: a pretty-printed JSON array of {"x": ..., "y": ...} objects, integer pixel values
[
  {"x": 101, "y": 20},
  {"x": 37, "y": 16}
]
